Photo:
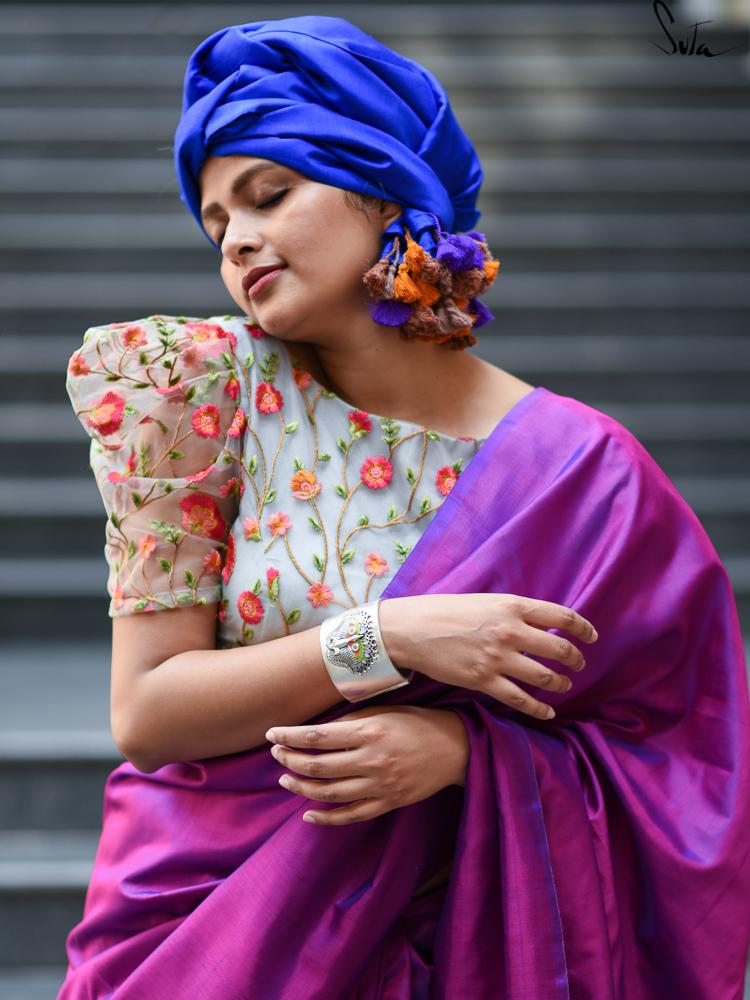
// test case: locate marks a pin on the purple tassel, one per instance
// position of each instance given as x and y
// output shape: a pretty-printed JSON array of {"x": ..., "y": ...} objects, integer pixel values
[
  {"x": 479, "y": 309},
  {"x": 389, "y": 312},
  {"x": 459, "y": 253}
]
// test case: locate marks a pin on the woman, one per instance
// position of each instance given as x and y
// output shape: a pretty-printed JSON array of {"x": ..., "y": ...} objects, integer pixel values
[{"x": 489, "y": 824}]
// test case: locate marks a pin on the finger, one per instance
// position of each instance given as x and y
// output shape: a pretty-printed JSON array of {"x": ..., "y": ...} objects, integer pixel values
[
  {"x": 337, "y": 734},
  {"x": 327, "y": 791},
  {"x": 322, "y": 765},
  {"x": 551, "y": 647},
  {"x": 513, "y": 696},
  {"x": 524, "y": 668},
  {"x": 547, "y": 614},
  {"x": 363, "y": 810}
]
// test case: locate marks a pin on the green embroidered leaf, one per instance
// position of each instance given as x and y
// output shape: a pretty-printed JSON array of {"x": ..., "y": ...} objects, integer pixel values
[
  {"x": 426, "y": 503},
  {"x": 112, "y": 378},
  {"x": 168, "y": 487},
  {"x": 298, "y": 464},
  {"x": 257, "y": 588},
  {"x": 137, "y": 498},
  {"x": 314, "y": 523},
  {"x": 342, "y": 445},
  {"x": 347, "y": 555},
  {"x": 189, "y": 578},
  {"x": 273, "y": 590},
  {"x": 291, "y": 427},
  {"x": 363, "y": 521},
  {"x": 129, "y": 410},
  {"x": 410, "y": 476},
  {"x": 457, "y": 465},
  {"x": 227, "y": 458},
  {"x": 138, "y": 385},
  {"x": 140, "y": 605},
  {"x": 165, "y": 564},
  {"x": 175, "y": 453},
  {"x": 190, "y": 393},
  {"x": 271, "y": 496},
  {"x": 293, "y": 616},
  {"x": 184, "y": 598},
  {"x": 392, "y": 512},
  {"x": 400, "y": 558},
  {"x": 249, "y": 361},
  {"x": 324, "y": 457},
  {"x": 340, "y": 490},
  {"x": 114, "y": 519},
  {"x": 253, "y": 464},
  {"x": 327, "y": 393},
  {"x": 131, "y": 548},
  {"x": 433, "y": 436},
  {"x": 318, "y": 562}
]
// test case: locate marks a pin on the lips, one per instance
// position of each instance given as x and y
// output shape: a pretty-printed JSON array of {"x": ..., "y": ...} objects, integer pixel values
[{"x": 256, "y": 273}]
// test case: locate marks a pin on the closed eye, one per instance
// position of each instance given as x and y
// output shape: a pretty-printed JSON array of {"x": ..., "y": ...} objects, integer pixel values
[{"x": 271, "y": 201}]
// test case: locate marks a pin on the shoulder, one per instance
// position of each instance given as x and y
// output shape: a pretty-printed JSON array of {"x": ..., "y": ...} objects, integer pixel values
[{"x": 125, "y": 369}]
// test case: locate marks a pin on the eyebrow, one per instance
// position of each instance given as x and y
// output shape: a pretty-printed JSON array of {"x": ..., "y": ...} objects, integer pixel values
[{"x": 237, "y": 184}]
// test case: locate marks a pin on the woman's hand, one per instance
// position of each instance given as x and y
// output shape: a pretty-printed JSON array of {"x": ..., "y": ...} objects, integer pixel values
[
  {"x": 480, "y": 641},
  {"x": 380, "y": 758}
]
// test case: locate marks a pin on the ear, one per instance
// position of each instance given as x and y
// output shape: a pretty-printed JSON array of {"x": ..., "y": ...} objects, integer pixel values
[{"x": 389, "y": 211}]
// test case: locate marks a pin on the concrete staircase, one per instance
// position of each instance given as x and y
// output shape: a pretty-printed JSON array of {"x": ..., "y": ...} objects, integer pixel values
[{"x": 616, "y": 196}]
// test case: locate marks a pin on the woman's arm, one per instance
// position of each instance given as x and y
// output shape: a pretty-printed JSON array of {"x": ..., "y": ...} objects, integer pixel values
[{"x": 171, "y": 703}]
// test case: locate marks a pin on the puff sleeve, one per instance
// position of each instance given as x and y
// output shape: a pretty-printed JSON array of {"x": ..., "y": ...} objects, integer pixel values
[{"x": 159, "y": 399}]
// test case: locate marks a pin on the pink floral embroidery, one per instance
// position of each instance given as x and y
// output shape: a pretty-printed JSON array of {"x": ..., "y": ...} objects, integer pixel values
[
  {"x": 255, "y": 331},
  {"x": 445, "y": 479},
  {"x": 175, "y": 393},
  {"x": 302, "y": 378},
  {"x": 201, "y": 516},
  {"x": 146, "y": 546},
  {"x": 279, "y": 524},
  {"x": 106, "y": 414},
  {"x": 134, "y": 336},
  {"x": 232, "y": 388},
  {"x": 375, "y": 564},
  {"x": 268, "y": 399},
  {"x": 232, "y": 485},
  {"x": 196, "y": 477},
  {"x": 206, "y": 421},
  {"x": 376, "y": 472},
  {"x": 304, "y": 485},
  {"x": 206, "y": 340},
  {"x": 271, "y": 574},
  {"x": 228, "y": 567},
  {"x": 239, "y": 422},
  {"x": 78, "y": 365},
  {"x": 320, "y": 595},
  {"x": 118, "y": 597},
  {"x": 251, "y": 529},
  {"x": 119, "y": 477},
  {"x": 361, "y": 420},
  {"x": 250, "y": 607},
  {"x": 212, "y": 561}
]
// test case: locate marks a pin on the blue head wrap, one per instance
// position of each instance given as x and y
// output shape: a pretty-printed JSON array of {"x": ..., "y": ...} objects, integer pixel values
[{"x": 321, "y": 96}]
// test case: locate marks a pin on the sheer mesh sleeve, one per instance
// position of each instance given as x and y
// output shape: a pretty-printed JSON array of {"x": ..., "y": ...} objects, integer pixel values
[{"x": 158, "y": 397}]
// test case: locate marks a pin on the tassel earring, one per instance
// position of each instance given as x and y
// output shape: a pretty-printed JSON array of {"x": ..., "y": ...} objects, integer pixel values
[{"x": 434, "y": 298}]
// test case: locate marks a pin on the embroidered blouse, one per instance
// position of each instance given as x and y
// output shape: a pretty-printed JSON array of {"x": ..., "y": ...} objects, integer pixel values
[{"x": 230, "y": 476}]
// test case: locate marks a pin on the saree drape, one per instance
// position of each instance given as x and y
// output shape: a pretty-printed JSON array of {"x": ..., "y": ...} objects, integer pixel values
[{"x": 602, "y": 854}]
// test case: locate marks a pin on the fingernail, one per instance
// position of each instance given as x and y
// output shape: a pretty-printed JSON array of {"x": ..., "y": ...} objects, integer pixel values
[
  {"x": 595, "y": 633},
  {"x": 550, "y": 712},
  {"x": 284, "y": 780},
  {"x": 309, "y": 818},
  {"x": 271, "y": 735}
]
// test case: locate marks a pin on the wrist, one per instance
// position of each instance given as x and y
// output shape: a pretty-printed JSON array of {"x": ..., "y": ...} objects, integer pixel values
[
  {"x": 391, "y": 614},
  {"x": 456, "y": 729}
]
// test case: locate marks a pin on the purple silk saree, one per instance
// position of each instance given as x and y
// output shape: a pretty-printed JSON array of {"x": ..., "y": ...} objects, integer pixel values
[{"x": 602, "y": 854}]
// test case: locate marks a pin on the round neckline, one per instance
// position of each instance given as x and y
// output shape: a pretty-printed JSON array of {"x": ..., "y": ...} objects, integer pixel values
[{"x": 375, "y": 416}]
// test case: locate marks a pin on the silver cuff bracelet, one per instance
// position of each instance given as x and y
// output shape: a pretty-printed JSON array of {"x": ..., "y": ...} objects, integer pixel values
[{"x": 355, "y": 655}]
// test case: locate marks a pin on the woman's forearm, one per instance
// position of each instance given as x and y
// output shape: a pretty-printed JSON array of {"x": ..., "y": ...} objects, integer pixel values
[
  {"x": 205, "y": 703},
  {"x": 457, "y": 732}
]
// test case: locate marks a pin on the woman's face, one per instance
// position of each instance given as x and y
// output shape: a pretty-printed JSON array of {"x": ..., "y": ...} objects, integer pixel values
[{"x": 279, "y": 216}]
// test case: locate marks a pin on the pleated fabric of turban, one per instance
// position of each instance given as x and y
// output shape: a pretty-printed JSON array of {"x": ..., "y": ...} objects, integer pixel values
[{"x": 323, "y": 97}]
